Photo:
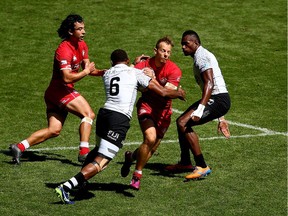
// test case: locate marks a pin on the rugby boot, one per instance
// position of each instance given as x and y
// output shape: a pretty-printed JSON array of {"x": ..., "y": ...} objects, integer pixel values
[
  {"x": 125, "y": 169},
  {"x": 16, "y": 153},
  {"x": 199, "y": 173}
]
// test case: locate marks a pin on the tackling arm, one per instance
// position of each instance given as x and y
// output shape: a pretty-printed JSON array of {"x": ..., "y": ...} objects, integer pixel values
[
  {"x": 96, "y": 72},
  {"x": 165, "y": 92},
  {"x": 69, "y": 77}
]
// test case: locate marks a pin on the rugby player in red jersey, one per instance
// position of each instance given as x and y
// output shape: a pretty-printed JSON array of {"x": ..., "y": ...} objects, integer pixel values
[
  {"x": 61, "y": 98},
  {"x": 153, "y": 111}
]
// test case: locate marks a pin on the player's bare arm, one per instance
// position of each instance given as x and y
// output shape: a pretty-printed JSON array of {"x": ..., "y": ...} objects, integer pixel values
[
  {"x": 139, "y": 59},
  {"x": 165, "y": 92},
  {"x": 96, "y": 72},
  {"x": 149, "y": 72},
  {"x": 207, "y": 77},
  {"x": 70, "y": 77}
]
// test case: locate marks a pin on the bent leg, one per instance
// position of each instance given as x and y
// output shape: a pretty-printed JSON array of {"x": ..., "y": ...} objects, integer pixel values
[
  {"x": 184, "y": 148},
  {"x": 55, "y": 124},
  {"x": 191, "y": 137},
  {"x": 81, "y": 108},
  {"x": 87, "y": 172},
  {"x": 144, "y": 152},
  {"x": 94, "y": 167}
]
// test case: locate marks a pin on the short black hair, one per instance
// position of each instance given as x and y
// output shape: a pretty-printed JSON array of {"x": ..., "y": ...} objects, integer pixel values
[
  {"x": 68, "y": 25},
  {"x": 192, "y": 33},
  {"x": 118, "y": 55}
]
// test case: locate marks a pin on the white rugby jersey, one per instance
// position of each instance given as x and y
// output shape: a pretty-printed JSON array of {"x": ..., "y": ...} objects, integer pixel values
[
  {"x": 203, "y": 60},
  {"x": 121, "y": 83}
]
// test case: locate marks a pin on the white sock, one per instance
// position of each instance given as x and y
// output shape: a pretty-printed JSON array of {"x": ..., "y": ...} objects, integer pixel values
[
  {"x": 71, "y": 183},
  {"x": 25, "y": 144},
  {"x": 84, "y": 144},
  {"x": 138, "y": 171}
]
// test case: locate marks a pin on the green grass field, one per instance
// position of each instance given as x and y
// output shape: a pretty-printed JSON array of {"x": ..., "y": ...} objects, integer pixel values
[{"x": 249, "y": 176}]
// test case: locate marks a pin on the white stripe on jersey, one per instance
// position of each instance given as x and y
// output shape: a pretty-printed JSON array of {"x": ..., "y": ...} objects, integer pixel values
[
  {"x": 121, "y": 83},
  {"x": 203, "y": 60}
]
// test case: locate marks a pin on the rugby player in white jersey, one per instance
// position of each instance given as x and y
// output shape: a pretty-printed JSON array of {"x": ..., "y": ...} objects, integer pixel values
[
  {"x": 215, "y": 103},
  {"x": 113, "y": 120}
]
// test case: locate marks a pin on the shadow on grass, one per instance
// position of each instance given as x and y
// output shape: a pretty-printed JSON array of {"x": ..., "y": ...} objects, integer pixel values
[
  {"x": 34, "y": 156},
  {"x": 159, "y": 170},
  {"x": 83, "y": 192}
]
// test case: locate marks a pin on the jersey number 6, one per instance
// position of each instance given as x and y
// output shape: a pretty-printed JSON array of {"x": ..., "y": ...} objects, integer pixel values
[{"x": 114, "y": 86}]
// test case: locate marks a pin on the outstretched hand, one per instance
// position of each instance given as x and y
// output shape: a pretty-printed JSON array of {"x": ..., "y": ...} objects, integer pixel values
[
  {"x": 182, "y": 94},
  {"x": 223, "y": 128},
  {"x": 149, "y": 72},
  {"x": 140, "y": 58},
  {"x": 89, "y": 67}
]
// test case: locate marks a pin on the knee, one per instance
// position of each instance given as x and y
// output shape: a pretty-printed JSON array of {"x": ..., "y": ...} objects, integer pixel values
[
  {"x": 88, "y": 117},
  {"x": 54, "y": 132},
  {"x": 89, "y": 114},
  {"x": 180, "y": 124},
  {"x": 150, "y": 141}
]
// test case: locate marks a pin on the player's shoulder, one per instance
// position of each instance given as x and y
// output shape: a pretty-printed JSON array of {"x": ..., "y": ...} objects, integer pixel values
[
  {"x": 64, "y": 49},
  {"x": 202, "y": 53},
  {"x": 64, "y": 45}
]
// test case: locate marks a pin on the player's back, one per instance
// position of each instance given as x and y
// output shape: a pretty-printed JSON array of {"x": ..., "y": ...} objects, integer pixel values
[{"x": 120, "y": 83}]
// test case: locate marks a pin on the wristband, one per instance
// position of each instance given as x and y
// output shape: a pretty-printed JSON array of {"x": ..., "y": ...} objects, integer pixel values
[{"x": 199, "y": 111}]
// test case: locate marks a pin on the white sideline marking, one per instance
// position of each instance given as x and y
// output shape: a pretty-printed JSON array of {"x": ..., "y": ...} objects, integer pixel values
[
  {"x": 165, "y": 141},
  {"x": 265, "y": 132}
]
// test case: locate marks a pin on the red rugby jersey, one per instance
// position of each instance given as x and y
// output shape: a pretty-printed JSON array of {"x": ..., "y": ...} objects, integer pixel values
[
  {"x": 68, "y": 55},
  {"x": 169, "y": 72}
]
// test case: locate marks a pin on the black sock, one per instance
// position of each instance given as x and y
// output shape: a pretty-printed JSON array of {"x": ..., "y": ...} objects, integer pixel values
[
  {"x": 199, "y": 159},
  {"x": 69, "y": 184},
  {"x": 80, "y": 178}
]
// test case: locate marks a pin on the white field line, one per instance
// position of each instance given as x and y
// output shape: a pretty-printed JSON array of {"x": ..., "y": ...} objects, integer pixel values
[{"x": 264, "y": 132}]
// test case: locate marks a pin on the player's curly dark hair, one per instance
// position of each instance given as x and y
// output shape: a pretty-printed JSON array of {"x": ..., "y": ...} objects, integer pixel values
[{"x": 68, "y": 25}]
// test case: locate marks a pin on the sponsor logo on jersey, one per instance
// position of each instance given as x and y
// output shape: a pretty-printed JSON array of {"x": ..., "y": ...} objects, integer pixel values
[
  {"x": 75, "y": 67},
  {"x": 63, "y": 62}
]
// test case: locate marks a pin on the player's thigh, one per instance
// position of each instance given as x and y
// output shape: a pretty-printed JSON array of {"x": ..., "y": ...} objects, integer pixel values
[
  {"x": 149, "y": 130},
  {"x": 80, "y": 107}
]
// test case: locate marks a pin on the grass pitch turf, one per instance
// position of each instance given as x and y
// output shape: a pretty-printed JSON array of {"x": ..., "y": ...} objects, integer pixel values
[{"x": 249, "y": 171}]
